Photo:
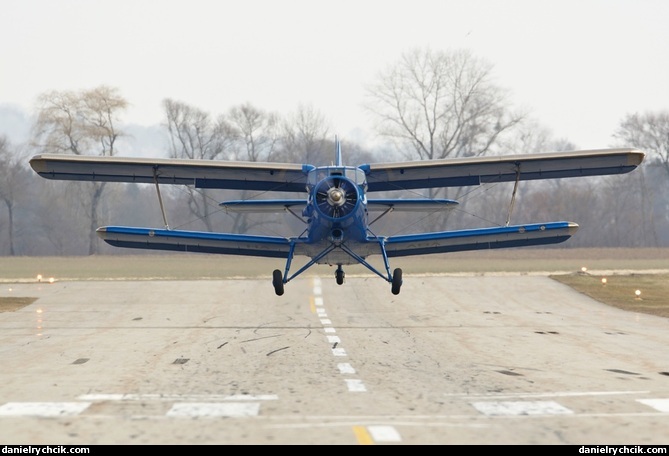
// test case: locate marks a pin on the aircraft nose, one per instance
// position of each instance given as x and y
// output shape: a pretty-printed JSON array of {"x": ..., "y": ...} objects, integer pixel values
[{"x": 336, "y": 197}]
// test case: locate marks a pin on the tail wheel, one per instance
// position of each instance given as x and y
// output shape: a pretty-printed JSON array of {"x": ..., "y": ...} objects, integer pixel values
[
  {"x": 277, "y": 281},
  {"x": 397, "y": 281},
  {"x": 339, "y": 275}
]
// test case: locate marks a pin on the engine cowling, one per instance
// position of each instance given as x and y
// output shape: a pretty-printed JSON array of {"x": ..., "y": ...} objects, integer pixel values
[{"x": 336, "y": 197}]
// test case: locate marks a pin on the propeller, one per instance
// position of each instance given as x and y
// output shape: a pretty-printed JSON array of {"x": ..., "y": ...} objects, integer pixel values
[{"x": 336, "y": 197}]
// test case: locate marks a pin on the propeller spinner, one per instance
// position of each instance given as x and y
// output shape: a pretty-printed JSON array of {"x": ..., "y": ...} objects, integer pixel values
[{"x": 336, "y": 197}]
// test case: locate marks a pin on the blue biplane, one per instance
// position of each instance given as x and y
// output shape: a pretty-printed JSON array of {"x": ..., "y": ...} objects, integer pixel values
[{"x": 336, "y": 208}]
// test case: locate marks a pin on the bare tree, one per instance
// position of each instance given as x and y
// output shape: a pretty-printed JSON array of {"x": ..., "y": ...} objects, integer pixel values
[
  {"x": 256, "y": 132},
  {"x": 649, "y": 132},
  {"x": 306, "y": 137},
  {"x": 437, "y": 104},
  {"x": 81, "y": 123},
  {"x": 440, "y": 104},
  {"x": 12, "y": 182},
  {"x": 257, "y": 137},
  {"x": 194, "y": 135}
]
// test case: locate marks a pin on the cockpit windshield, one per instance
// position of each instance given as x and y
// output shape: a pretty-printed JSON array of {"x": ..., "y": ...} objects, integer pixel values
[{"x": 354, "y": 174}]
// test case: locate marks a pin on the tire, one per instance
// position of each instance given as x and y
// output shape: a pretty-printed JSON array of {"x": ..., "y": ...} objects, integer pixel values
[
  {"x": 397, "y": 281},
  {"x": 339, "y": 275},
  {"x": 277, "y": 281}
]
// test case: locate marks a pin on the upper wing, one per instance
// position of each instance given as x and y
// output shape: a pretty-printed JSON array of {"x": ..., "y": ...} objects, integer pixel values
[
  {"x": 285, "y": 177},
  {"x": 508, "y": 168},
  {"x": 480, "y": 238},
  {"x": 380, "y": 176}
]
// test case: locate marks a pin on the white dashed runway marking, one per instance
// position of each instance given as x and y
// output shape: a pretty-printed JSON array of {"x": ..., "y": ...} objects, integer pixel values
[
  {"x": 354, "y": 385},
  {"x": 384, "y": 433}
]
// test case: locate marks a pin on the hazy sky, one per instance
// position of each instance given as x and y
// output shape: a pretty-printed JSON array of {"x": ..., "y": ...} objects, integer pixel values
[{"x": 578, "y": 65}]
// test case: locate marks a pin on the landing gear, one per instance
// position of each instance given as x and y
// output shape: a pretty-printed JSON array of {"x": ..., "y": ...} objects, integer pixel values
[
  {"x": 339, "y": 275},
  {"x": 397, "y": 281},
  {"x": 277, "y": 281}
]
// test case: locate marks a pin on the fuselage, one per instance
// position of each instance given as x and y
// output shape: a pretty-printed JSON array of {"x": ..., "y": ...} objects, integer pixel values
[{"x": 336, "y": 209}]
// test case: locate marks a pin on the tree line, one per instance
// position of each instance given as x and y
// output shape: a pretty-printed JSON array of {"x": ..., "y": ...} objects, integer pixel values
[{"x": 428, "y": 105}]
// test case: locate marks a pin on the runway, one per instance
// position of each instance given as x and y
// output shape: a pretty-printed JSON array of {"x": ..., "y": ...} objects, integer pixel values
[{"x": 489, "y": 359}]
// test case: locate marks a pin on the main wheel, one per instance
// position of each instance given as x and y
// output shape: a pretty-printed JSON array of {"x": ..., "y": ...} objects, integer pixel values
[
  {"x": 277, "y": 281},
  {"x": 397, "y": 281},
  {"x": 339, "y": 275}
]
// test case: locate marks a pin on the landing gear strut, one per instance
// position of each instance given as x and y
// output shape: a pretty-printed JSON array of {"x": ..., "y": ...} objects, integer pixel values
[
  {"x": 339, "y": 275},
  {"x": 279, "y": 279}
]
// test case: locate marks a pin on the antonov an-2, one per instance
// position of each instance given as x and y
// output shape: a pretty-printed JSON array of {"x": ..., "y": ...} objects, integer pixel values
[{"x": 335, "y": 206}]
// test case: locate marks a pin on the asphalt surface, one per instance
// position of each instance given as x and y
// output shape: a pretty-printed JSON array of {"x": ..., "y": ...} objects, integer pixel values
[{"x": 493, "y": 359}]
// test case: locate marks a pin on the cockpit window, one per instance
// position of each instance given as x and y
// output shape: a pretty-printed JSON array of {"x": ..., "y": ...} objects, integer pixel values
[{"x": 355, "y": 174}]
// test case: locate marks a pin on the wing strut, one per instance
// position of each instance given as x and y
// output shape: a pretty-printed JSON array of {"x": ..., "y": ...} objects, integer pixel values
[
  {"x": 292, "y": 212},
  {"x": 387, "y": 211},
  {"x": 160, "y": 198},
  {"x": 513, "y": 195}
]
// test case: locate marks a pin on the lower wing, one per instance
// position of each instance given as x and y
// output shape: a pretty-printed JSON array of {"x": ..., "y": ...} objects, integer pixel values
[
  {"x": 480, "y": 239},
  {"x": 195, "y": 241},
  {"x": 396, "y": 246}
]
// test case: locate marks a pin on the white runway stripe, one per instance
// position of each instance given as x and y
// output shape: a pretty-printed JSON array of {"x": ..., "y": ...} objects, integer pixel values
[
  {"x": 499, "y": 408},
  {"x": 355, "y": 385},
  {"x": 209, "y": 409},
  {"x": 384, "y": 434},
  {"x": 338, "y": 352},
  {"x": 50, "y": 409},
  {"x": 546, "y": 394},
  {"x": 661, "y": 405},
  {"x": 178, "y": 397}
]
